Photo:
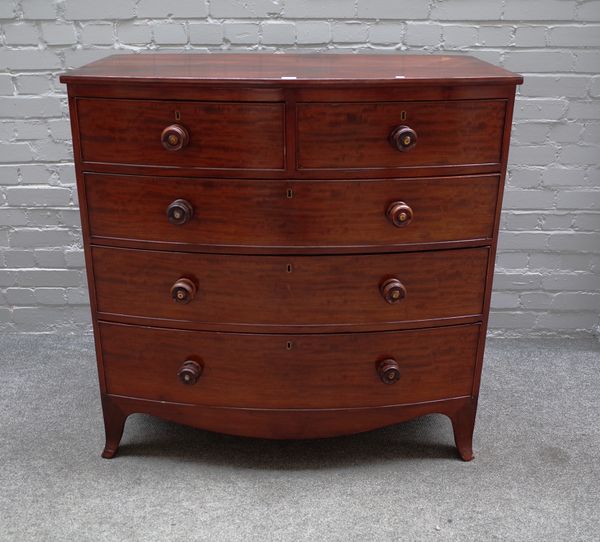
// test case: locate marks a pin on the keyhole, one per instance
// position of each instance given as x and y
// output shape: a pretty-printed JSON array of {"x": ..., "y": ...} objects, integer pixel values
[
  {"x": 289, "y": 345},
  {"x": 403, "y": 115},
  {"x": 289, "y": 267},
  {"x": 290, "y": 193},
  {"x": 177, "y": 115}
]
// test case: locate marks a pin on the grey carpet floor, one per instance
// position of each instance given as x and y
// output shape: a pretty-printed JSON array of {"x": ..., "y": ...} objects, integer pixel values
[{"x": 536, "y": 475}]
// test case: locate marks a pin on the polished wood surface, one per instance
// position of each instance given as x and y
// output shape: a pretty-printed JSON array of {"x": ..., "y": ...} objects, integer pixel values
[
  {"x": 290, "y": 69},
  {"x": 284, "y": 291},
  {"x": 301, "y": 371},
  {"x": 221, "y": 135},
  {"x": 290, "y": 246},
  {"x": 357, "y": 135},
  {"x": 242, "y": 214}
]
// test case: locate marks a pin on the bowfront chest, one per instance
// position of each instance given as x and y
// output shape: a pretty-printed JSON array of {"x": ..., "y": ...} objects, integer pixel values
[{"x": 290, "y": 246}]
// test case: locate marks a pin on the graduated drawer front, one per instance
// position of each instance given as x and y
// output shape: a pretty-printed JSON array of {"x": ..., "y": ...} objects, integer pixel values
[
  {"x": 221, "y": 135},
  {"x": 356, "y": 135},
  {"x": 247, "y": 213},
  {"x": 299, "y": 371},
  {"x": 290, "y": 291}
]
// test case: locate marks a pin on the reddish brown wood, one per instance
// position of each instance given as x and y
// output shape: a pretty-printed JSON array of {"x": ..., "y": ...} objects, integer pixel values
[
  {"x": 290, "y": 156},
  {"x": 356, "y": 135},
  {"x": 286, "y": 292},
  {"x": 221, "y": 135},
  {"x": 238, "y": 215},
  {"x": 289, "y": 371}
]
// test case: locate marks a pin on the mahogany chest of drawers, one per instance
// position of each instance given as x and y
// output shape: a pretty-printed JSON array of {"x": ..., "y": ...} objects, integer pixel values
[{"x": 290, "y": 246}]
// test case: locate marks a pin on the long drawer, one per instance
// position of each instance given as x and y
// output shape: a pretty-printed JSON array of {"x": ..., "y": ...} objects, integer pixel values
[
  {"x": 436, "y": 133},
  {"x": 290, "y": 290},
  {"x": 225, "y": 135},
  {"x": 299, "y": 371},
  {"x": 247, "y": 213}
]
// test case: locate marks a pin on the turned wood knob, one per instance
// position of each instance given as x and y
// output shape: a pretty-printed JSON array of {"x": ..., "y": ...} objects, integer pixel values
[
  {"x": 174, "y": 137},
  {"x": 403, "y": 138},
  {"x": 388, "y": 371},
  {"x": 399, "y": 213},
  {"x": 189, "y": 372},
  {"x": 392, "y": 290},
  {"x": 183, "y": 291},
  {"x": 180, "y": 212}
]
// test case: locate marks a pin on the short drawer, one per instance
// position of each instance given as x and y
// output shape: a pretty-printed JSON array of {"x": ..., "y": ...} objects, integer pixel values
[
  {"x": 298, "y": 214},
  {"x": 400, "y": 134},
  {"x": 349, "y": 290},
  {"x": 211, "y": 134},
  {"x": 296, "y": 371}
]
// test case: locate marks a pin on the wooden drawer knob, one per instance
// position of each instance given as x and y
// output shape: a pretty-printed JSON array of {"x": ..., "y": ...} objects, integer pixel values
[
  {"x": 403, "y": 138},
  {"x": 392, "y": 290},
  {"x": 174, "y": 137},
  {"x": 180, "y": 212},
  {"x": 189, "y": 372},
  {"x": 183, "y": 291},
  {"x": 388, "y": 371},
  {"x": 399, "y": 214}
]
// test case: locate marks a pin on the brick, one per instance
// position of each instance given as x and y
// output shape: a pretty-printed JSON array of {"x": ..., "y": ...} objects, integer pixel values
[
  {"x": 206, "y": 33},
  {"x": 97, "y": 34},
  {"x": 505, "y": 300},
  {"x": 8, "y": 277},
  {"x": 423, "y": 34},
  {"x": 173, "y": 8},
  {"x": 512, "y": 260},
  {"x": 26, "y": 107},
  {"x": 512, "y": 320},
  {"x": 19, "y": 258},
  {"x": 569, "y": 132},
  {"x": 555, "y": 86},
  {"x": 39, "y": 238},
  {"x": 21, "y": 34},
  {"x": 495, "y": 36},
  {"x": 530, "y": 132},
  {"x": 522, "y": 221},
  {"x": 584, "y": 110},
  {"x": 278, "y": 33},
  {"x": 567, "y": 320},
  {"x": 50, "y": 258},
  {"x": 75, "y": 258},
  {"x": 579, "y": 199},
  {"x": 313, "y": 32},
  {"x": 77, "y": 296},
  {"x": 579, "y": 155},
  {"x": 29, "y": 59},
  {"x": 7, "y": 9},
  {"x": 50, "y": 296},
  {"x": 38, "y": 196},
  {"x": 53, "y": 151},
  {"x": 460, "y": 36},
  {"x": 384, "y": 9},
  {"x": 575, "y": 282},
  {"x": 530, "y": 36},
  {"x": 70, "y": 217},
  {"x": 58, "y": 34},
  {"x": 574, "y": 241},
  {"x": 574, "y": 36},
  {"x": 30, "y": 129},
  {"x": 12, "y": 217},
  {"x": 562, "y": 177},
  {"x": 514, "y": 240},
  {"x": 309, "y": 9},
  {"x": 576, "y": 301},
  {"x": 135, "y": 33},
  {"x": 242, "y": 33},
  {"x": 559, "y": 262},
  {"x": 170, "y": 34},
  {"x": 539, "y": 10},
  {"x": 20, "y": 296},
  {"x": 387, "y": 33},
  {"x": 33, "y": 317},
  {"x": 590, "y": 11},
  {"x": 587, "y": 222},
  {"x": 78, "y": 57},
  {"x": 39, "y": 9},
  {"x": 349, "y": 32},
  {"x": 560, "y": 222},
  {"x": 60, "y": 129},
  {"x": 33, "y": 84},
  {"x": 528, "y": 199},
  {"x": 532, "y": 155},
  {"x": 464, "y": 10},
  {"x": 6, "y": 85},
  {"x": 536, "y": 300},
  {"x": 539, "y": 61},
  {"x": 34, "y": 174},
  {"x": 93, "y": 9},
  {"x": 516, "y": 281},
  {"x": 48, "y": 277},
  {"x": 15, "y": 152},
  {"x": 591, "y": 134},
  {"x": 587, "y": 62},
  {"x": 249, "y": 9}
]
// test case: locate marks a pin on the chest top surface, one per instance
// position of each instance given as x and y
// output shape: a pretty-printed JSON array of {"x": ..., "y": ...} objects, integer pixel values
[{"x": 290, "y": 69}]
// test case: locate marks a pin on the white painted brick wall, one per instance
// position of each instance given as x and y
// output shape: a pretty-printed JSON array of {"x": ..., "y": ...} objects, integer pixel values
[{"x": 548, "y": 266}]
